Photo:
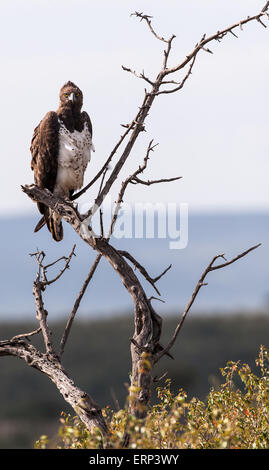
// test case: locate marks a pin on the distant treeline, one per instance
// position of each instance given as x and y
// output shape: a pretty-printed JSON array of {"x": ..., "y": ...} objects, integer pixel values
[{"x": 98, "y": 358}]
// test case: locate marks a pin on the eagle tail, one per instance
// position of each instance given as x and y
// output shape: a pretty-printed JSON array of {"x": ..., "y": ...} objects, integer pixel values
[
  {"x": 40, "y": 224},
  {"x": 55, "y": 226}
]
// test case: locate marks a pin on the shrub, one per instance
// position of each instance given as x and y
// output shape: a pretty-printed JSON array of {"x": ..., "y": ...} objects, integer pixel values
[{"x": 235, "y": 415}]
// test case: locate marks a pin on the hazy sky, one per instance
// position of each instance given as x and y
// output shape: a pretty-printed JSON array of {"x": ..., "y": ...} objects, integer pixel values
[{"x": 214, "y": 132}]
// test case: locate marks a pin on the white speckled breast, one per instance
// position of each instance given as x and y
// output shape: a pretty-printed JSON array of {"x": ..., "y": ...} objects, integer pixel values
[{"x": 74, "y": 155}]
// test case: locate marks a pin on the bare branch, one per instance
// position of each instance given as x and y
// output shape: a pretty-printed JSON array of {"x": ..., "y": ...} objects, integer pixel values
[
  {"x": 25, "y": 335},
  {"x": 200, "y": 284},
  {"x": 265, "y": 8},
  {"x": 66, "y": 266},
  {"x": 234, "y": 33},
  {"x": 241, "y": 255},
  {"x": 125, "y": 184},
  {"x": 182, "y": 83},
  {"x": 217, "y": 36},
  {"x": 138, "y": 75},
  {"x": 133, "y": 179},
  {"x": 155, "y": 279},
  {"x": 40, "y": 285},
  {"x": 172, "y": 82},
  {"x": 158, "y": 379},
  {"x": 156, "y": 298},
  {"x": 41, "y": 315},
  {"x": 147, "y": 18},
  {"x": 40, "y": 255},
  {"x": 260, "y": 21},
  {"x": 77, "y": 304},
  {"x": 136, "y": 180},
  {"x": 143, "y": 271}
]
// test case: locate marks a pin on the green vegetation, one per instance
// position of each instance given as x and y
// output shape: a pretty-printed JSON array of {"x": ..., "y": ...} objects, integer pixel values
[
  {"x": 31, "y": 406},
  {"x": 229, "y": 418}
]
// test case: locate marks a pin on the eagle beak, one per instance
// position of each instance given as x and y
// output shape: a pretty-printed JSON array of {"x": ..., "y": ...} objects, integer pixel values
[{"x": 72, "y": 97}]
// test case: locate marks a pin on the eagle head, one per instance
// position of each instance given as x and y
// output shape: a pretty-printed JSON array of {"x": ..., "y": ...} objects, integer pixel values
[{"x": 71, "y": 96}]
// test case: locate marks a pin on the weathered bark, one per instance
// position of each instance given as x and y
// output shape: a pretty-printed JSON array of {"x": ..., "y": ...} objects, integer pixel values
[
  {"x": 83, "y": 405},
  {"x": 147, "y": 322}
]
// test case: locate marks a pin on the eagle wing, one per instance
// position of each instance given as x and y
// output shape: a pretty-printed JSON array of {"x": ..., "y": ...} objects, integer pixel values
[
  {"x": 44, "y": 149},
  {"x": 86, "y": 118}
]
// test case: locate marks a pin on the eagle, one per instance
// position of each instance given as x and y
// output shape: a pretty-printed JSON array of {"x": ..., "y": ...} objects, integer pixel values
[{"x": 61, "y": 150}]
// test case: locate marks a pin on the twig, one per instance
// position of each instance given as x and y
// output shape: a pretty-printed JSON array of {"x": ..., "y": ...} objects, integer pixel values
[
  {"x": 133, "y": 179},
  {"x": 261, "y": 22},
  {"x": 40, "y": 255},
  {"x": 155, "y": 279},
  {"x": 200, "y": 284},
  {"x": 156, "y": 298},
  {"x": 26, "y": 335},
  {"x": 66, "y": 266},
  {"x": 138, "y": 75},
  {"x": 158, "y": 379},
  {"x": 100, "y": 210},
  {"x": 182, "y": 83},
  {"x": 41, "y": 315},
  {"x": 125, "y": 184},
  {"x": 77, "y": 304},
  {"x": 147, "y": 18},
  {"x": 136, "y": 180},
  {"x": 40, "y": 285},
  {"x": 266, "y": 6},
  {"x": 217, "y": 36},
  {"x": 143, "y": 271},
  {"x": 136, "y": 126}
]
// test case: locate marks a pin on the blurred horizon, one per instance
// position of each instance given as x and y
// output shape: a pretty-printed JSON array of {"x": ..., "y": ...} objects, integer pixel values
[
  {"x": 212, "y": 133},
  {"x": 243, "y": 286}
]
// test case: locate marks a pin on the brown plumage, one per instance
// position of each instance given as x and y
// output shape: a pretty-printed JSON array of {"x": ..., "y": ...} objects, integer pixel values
[{"x": 60, "y": 148}]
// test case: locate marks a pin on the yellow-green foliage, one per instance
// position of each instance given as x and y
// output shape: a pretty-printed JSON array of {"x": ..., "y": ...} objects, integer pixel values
[{"x": 230, "y": 418}]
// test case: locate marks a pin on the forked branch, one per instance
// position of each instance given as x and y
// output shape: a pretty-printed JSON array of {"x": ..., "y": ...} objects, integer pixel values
[
  {"x": 134, "y": 179},
  {"x": 143, "y": 271},
  {"x": 211, "y": 267}
]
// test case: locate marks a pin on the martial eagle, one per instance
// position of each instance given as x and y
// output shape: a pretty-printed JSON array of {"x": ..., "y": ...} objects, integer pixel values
[{"x": 61, "y": 150}]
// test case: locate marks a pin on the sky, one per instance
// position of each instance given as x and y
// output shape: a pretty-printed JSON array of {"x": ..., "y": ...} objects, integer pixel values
[{"x": 213, "y": 133}]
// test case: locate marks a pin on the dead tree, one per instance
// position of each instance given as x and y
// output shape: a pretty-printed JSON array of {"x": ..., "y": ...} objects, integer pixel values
[{"x": 146, "y": 349}]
